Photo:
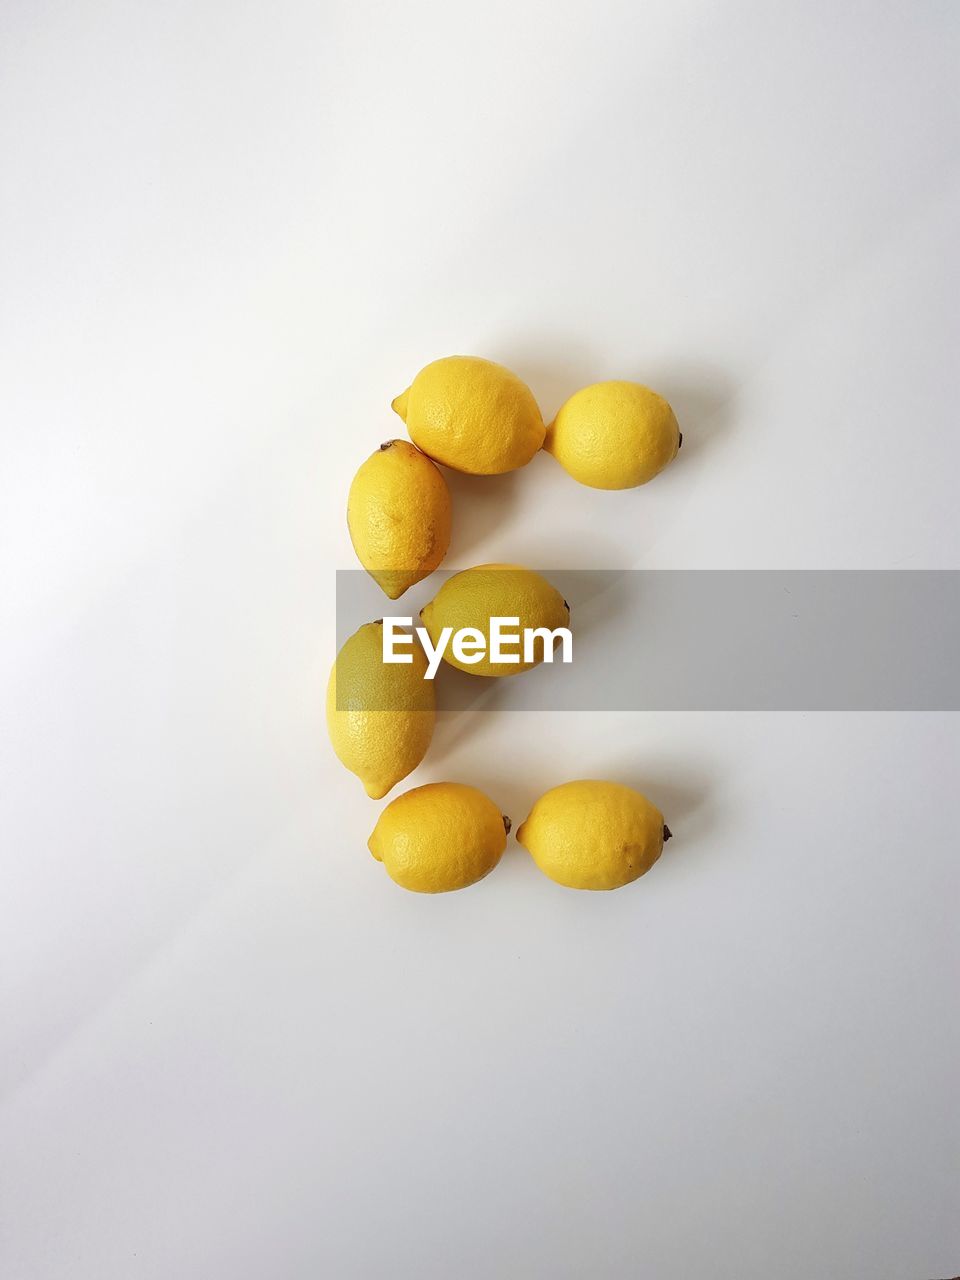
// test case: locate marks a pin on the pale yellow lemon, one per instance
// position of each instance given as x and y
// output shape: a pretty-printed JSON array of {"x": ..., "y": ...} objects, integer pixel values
[
  {"x": 593, "y": 835},
  {"x": 474, "y": 596},
  {"x": 473, "y": 415},
  {"x": 439, "y": 837},
  {"x": 399, "y": 516},
  {"x": 380, "y": 716},
  {"x": 614, "y": 435}
]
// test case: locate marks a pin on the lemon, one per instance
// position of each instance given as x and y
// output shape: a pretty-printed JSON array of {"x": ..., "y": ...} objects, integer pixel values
[
  {"x": 380, "y": 716},
  {"x": 472, "y": 415},
  {"x": 473, "y": 597},
  {"x": 593, "y": 835},
  {"x": 398, "y": 513},
  {"x": 439, "y": 837},
  {"x": 614, "y": 435}
]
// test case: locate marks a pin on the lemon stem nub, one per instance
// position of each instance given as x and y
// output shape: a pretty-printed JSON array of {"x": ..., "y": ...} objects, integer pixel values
[
  {"x": 667, "y": 833},
  {"x": 387, "y": 444},
  {"x": 507, "y": 824},
  {"x": 679, "y": 439}
]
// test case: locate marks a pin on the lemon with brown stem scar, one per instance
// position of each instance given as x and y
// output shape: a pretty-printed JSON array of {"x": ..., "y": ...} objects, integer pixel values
[
  {"x": 594, "y": 835},
  {"x": 399, "y": 516},
  {"x": 614, "y": 435},
  {"x": 439, "y": 837}
]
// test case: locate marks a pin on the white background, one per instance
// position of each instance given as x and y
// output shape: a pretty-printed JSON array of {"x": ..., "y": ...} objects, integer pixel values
[{"x": 232, "y": 1048}]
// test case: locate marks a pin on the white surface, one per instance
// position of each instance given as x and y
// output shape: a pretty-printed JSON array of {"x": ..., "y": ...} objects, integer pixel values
[{"x": 232, "y": 1047}]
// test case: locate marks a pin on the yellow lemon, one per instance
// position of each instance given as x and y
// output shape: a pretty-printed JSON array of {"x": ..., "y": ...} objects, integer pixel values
[
  {"x": 439, "y": 837},
  {"x": 593, "y": 835},
  {"x": 398, "y": 513},
  {"x": 614, "y": 435},
  {"x": 380, "y": 716},
  {"x": 472, "y": 415},
  {"x": 471, "y": 598}
]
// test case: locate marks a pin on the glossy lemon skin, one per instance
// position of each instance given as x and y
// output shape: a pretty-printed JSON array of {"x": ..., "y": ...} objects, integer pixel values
[
  {"x": 614, "y": 435},
  {"x": 474, "y": 596},
  {"x": 473, "y": 415},
  {"x": 399, "y": 516},
  {"x": 593, "y": 835},
  {"x": 380, "y": 716},
  {"x": 439, "y": 837}
]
